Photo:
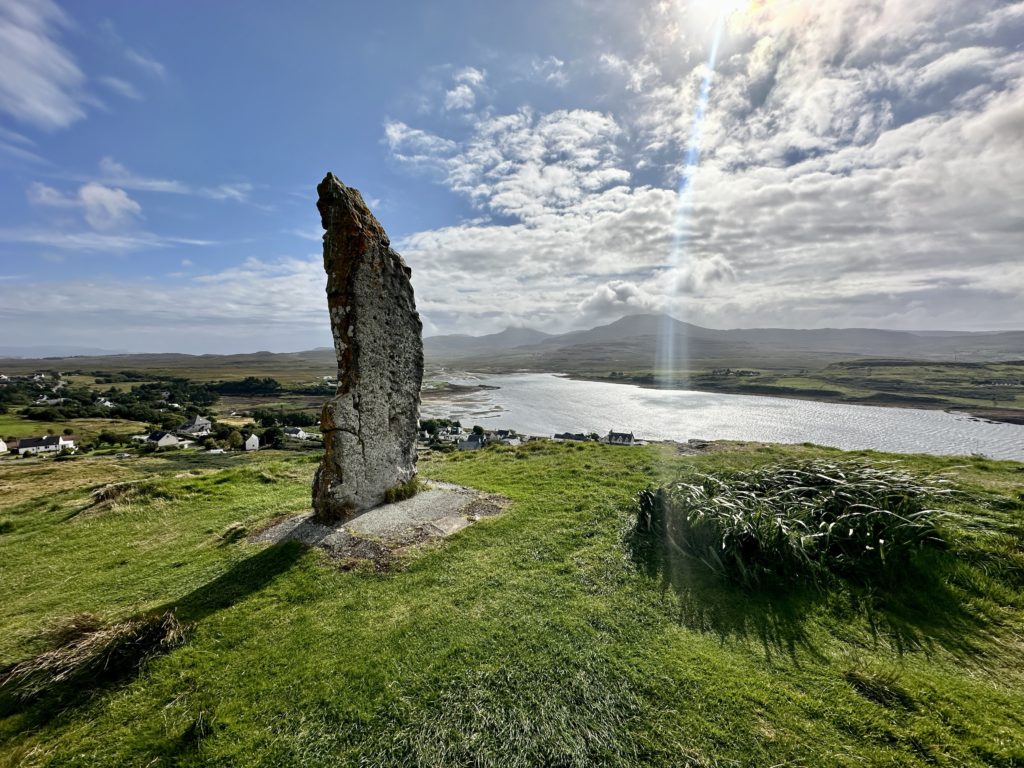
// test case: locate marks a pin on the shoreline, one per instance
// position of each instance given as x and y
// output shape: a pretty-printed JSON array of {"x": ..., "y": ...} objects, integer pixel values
[{"x": 983, "y": 413}]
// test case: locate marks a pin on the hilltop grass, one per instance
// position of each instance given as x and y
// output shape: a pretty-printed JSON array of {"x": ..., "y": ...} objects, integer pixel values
[{"x": 535, "y": 638}]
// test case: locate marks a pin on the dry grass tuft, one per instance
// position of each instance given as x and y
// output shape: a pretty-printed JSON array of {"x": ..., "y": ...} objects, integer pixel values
[
  {"x": 93, "y": 651},
  {"x": 880, "y": 687},
  {"x": 234, "y": 532}
]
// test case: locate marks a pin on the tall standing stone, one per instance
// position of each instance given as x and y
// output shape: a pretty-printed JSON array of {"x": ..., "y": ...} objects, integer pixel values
[{"x": 370, "y": 424}]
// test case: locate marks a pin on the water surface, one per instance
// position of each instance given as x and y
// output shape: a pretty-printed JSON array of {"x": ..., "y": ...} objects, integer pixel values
[{"x": 544, "y": 403}]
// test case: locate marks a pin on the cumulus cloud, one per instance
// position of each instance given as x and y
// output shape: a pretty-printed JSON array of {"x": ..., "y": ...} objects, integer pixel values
[
  {"x": 860, "y": 165},
  {"x": 521, "y": 164},
  {"x": 617, "y": 298},
  {"x": 104, "y": 208},
  {"x": 462, "y": 94}
]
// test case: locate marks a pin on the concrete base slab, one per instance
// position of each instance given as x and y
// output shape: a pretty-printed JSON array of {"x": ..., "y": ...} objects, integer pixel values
[{"x": 438, "y": 511}]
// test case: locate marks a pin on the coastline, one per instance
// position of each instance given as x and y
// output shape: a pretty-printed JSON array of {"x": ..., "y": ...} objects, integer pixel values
[{"x": 983, "y": 413}]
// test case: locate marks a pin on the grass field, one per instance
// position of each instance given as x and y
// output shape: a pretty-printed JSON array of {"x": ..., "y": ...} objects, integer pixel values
[
  {"x": 287, "y": 367},
  {"x": 541, "y": 637},
  {"x": 13, "y": 425}
]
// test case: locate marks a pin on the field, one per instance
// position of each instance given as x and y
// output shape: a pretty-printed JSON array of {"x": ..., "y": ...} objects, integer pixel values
[
  {"x": 538, "y": 637},
  {"x": 13, "y": 425},
  {"x": 288, "y": 368}
]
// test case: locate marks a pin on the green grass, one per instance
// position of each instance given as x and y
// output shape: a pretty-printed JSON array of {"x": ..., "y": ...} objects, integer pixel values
[
  {"x": 535, "y": 638},
  {"x": 13, "y": 425}
]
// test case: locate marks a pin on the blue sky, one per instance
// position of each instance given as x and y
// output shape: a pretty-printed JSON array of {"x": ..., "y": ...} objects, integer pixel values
[{"x": 860, "y": 164}]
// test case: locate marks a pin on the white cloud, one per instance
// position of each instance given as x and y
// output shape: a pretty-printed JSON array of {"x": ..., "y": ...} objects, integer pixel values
[
  {"x": 520, "y": 164},
  {"x": 114, "y": 173},
  {"x": 208, "y": 312},
  {"x": 860, "y": 165},
  {"x": 106, "y": 207},
  {"x": 459, "y": 97},
  {"x": 466, "y": 83},
  {"x": 95, "y": 242},
  {"x": 146, "y": 63},
  {"x": 41, "y": 194},
  {"x": 121, "y": 87},
  {"x": 40, "y": 83},
  {"x": 551, "y": 69},
  {"x": 619, "y": 297}
]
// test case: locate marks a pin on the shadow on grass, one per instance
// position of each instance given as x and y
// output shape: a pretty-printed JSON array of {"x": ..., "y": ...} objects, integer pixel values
[
  {"x": 915, "y": 610},
  {"x": 238, "y": 582},
  {"x": 72, "y": 687}
]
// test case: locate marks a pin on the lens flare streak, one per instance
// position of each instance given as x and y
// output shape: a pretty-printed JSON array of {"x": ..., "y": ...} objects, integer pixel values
[{"x": 666, "y": 364}]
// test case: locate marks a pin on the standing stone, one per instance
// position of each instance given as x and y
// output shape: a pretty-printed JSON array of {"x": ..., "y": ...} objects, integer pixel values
[{"x": 370, "y": 424}]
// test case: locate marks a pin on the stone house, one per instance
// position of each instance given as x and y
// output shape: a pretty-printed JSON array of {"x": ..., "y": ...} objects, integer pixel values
[{"x": 197, "y": 426}]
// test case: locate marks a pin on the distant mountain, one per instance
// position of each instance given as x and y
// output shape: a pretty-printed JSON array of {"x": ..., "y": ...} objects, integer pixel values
[
  {"x": 637, "y": 340},
  {"x": 55, "y": 350},
  {"x": 455, "y": 346}
]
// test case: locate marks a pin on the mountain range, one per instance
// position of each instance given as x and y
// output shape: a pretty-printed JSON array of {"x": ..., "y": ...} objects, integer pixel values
[{"x": 636, "y": 340}]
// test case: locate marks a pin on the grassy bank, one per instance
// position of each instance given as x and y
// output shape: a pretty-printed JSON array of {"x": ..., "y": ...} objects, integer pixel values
[
  {"x": 539, "y": 637},
  {"x": 986, "y": 390}
]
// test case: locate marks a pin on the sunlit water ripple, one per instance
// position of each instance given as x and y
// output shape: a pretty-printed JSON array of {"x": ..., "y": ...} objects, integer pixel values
[{"x": 543, "y": 404}]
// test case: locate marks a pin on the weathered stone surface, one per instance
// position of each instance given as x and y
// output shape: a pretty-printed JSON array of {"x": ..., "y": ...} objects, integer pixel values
[{"x": 369, "y": 426}]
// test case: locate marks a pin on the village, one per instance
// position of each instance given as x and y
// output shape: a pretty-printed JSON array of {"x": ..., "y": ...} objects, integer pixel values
[{"x": 176, "y": 419}]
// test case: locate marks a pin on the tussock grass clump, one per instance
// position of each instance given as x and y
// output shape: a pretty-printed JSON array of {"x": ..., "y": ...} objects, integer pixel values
[
  {"x": 402, "y": 491},
  {"x": 88, "y": 650},
  {"x": 817, "y": 519},
  {"x": 131, "y": 491}
]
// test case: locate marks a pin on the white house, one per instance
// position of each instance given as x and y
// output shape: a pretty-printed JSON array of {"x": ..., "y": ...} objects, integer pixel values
[
  {"x": 48, "y": 444},
  {"x": 3, "y": 447},
  {"x": 166, "y": 440},
  {"x": 252, "y": 443},
  {"x": 620, "y": 438},
  {"x": 296, "y": 432}
]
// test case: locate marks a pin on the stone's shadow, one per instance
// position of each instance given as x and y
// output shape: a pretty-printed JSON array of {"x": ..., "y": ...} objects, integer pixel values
[
  {"x": 917, "y": 611},
  {"x": 237, "y": 583},
  {"x": 240, "y": 581}
]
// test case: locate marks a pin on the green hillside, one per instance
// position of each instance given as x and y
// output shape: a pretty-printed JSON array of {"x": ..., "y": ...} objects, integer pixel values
[{"x": 539, "y": 637}]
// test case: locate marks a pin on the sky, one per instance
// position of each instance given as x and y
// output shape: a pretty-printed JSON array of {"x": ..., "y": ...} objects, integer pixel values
[{"x": 751, "y": 163}]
